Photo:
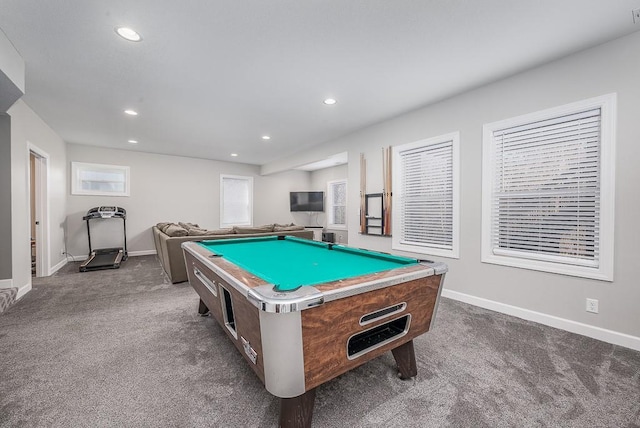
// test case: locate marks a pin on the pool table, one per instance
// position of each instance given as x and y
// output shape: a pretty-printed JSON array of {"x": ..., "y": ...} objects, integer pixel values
[{"x": 303, "y": 312}]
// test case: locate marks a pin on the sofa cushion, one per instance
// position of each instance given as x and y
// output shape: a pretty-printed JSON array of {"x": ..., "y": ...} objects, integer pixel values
[
  {"x": 253, "y": 229},
  {"x": 175, "y": 230},
  {"x": 221, "y": 232},
  {"x": 204, "y": 232},
  {"x": 278, "y": 228}
]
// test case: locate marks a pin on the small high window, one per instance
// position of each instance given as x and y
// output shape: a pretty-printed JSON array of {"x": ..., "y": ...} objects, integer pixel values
[{"x": 98, "y": 179}]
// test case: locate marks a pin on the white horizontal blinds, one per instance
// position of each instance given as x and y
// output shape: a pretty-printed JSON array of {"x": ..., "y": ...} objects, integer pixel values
[
  {"x": 236, "y": 201},
  {"x": 426, "y": 201},
  {"x": 546, "y": 196},
  {"x": 338, "y": 210}
]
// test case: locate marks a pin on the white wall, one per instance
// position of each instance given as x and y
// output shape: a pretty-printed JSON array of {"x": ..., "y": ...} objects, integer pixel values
[
  {"x": 549, "y": 298},
  {"x": 168, "y": 188},
  {"x": 27, "y": 128},
  {"x": 5, "y": 201}
]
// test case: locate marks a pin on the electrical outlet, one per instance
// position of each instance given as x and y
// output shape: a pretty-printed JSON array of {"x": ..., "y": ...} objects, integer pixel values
[
  {"x": 636, "y": 15},
  {"x": 592, "y": 306}
]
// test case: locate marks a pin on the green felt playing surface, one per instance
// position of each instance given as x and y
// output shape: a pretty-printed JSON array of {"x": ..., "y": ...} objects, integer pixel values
[{"x": 291, "y": 262}]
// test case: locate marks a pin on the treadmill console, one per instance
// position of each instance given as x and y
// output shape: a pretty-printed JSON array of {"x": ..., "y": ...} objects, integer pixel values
[{"x": 105, "y": 212}]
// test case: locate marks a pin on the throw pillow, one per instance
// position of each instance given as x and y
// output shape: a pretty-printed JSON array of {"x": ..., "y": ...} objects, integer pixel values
[
  {"x": 194, "y": 231},
  {"x": 163, "y": 225},
  {"x": 188, "y": 225},
  {"x": 175, "y": 230}
]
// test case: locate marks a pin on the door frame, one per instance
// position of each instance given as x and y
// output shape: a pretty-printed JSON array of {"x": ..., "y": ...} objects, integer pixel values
[{"x": 41, "y": 186}]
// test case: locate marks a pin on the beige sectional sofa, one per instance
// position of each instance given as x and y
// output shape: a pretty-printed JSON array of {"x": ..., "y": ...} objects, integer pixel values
[{"x": 169, "y": 236}]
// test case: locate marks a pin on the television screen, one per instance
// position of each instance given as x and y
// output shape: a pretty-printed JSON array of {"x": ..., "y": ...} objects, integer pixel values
[{"x": 306, "y": 201}]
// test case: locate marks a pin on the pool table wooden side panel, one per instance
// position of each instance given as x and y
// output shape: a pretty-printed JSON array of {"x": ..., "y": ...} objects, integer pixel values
[
  {"x": 246, "y": 315},
  {"x": 327, "y": 328}
]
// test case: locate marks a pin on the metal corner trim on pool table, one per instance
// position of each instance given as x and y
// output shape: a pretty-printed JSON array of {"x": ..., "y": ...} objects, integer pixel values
[
  {"x": 438, "y": 267},
  {"x": 435, "y": 306},
  {"x": 267, "y": 299}
]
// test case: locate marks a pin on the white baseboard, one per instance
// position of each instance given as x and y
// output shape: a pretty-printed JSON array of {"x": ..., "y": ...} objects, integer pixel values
[
  {"x": 142, "y": 253},
  {"x": 8, "y": 283},
  {"x": 57, "y": 267},
  {"x": 605, "y": 335},
  {"x": 129, "y": 253},
  {"x": 23, "y": 290}
]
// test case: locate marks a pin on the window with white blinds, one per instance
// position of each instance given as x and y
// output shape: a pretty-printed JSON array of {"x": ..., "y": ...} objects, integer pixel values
[
  {"x": 544, "y": 189},
  {"x": 425, "y": 189},
  {"x": 337, "y": 204},
  {"x": 236, "y": 201}
]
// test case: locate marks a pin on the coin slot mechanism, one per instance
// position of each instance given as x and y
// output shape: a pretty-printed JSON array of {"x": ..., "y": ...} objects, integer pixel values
[{"x": 382, "y": 313}]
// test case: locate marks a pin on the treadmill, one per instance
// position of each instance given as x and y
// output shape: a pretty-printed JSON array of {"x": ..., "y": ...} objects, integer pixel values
[{"x": 105, "y": 258}]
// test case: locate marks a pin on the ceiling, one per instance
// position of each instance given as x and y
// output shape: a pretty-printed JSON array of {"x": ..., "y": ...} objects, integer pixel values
[{"x": 211, "y": 77}]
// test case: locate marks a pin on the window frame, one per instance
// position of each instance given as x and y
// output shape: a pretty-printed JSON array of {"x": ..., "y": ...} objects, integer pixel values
[
  {"x": 604, "y": 270},
  {"x": 330, "y": 205},
  {"x": 249, "y": 180},
  {"x": 396, "y": 240},
  {"x": 78, "y": 167}
]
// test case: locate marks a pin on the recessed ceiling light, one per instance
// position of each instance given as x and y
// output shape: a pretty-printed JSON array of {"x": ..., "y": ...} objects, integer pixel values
[
  {"x": 128, "y": 34},
  {"x": 131, "y": 112},
  {"x": 133, "y": 141},
  {"x": 330, "y": 101},
  {"x": 234, "y": 154},
  {"x": 266, "y": 137}
]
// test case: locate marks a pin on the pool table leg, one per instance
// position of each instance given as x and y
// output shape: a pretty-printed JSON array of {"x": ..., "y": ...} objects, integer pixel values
[
  {"x": 296, "y": 412},
  {"x": 405, "y": 357},
  {"x": 203, "y": 311}
]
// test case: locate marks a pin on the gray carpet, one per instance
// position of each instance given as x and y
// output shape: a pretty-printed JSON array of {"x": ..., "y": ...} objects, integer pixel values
[{"x": 127, "y": 348}]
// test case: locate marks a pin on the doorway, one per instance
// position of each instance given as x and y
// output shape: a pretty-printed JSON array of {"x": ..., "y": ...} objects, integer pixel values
[{"x": 39, "y": 210}]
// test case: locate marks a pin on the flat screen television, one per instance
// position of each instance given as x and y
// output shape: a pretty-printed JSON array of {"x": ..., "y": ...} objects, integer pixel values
[{"x": 306, "y": 201}]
